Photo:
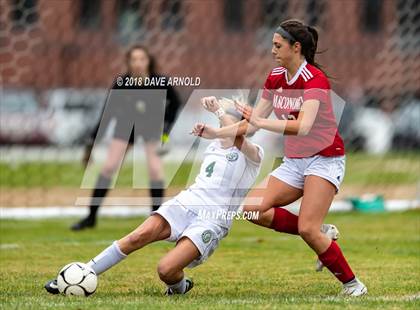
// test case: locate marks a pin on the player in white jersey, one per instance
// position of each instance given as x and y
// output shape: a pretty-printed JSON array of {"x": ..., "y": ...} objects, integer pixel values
[{"x": 198, "y": 217}]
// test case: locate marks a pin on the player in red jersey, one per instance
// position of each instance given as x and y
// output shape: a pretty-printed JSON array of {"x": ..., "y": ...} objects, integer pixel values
[{"x": 299, "y": 94}]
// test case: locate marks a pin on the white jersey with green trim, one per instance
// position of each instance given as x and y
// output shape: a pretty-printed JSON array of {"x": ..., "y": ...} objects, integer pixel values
[{"x": 225, "y": 177}]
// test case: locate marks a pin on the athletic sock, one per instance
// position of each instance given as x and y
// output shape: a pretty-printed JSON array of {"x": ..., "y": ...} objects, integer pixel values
[
  {"x": 180, "y": 287},
  {"x": 351, "y": 282},
  {"x": 100, "y": 191},
  {"x": 334, "y": 260},
  {"x": 109, "y": 257},
  {"x": 156, "y": 193},
  {"x": 284, "y": 221}
]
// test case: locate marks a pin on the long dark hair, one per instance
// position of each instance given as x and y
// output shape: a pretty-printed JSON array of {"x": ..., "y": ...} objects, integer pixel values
[
  {"x": 152, "y": 60},
  {"x": 306, "y": 35}
]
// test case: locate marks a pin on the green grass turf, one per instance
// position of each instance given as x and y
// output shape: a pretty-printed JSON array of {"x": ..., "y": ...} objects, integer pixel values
[
  {"x": 253, "y": 268},
  {"x": 393, "y": 168}
]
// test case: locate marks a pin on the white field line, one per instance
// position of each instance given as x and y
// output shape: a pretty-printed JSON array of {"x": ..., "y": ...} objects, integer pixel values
[
  {"x": 327, "y": 299},
  {"x": 59, "y": 212},
  {"x": 128, "y": 211},
  {"x": 9, "y": 246},
  {"x": 13, "y": 246}
]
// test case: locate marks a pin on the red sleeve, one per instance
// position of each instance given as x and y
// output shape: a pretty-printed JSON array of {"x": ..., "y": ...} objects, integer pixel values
[
  {"x": 267, "y": 91},
  {"x": 317, "y": 88}
]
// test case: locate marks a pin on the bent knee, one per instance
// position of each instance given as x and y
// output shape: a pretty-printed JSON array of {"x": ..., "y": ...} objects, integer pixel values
[
  {"x": 166, "y": 271},
  {"x": 261, "y": 208},
  {"x": 264, "y": 219},
  {"x": 308, "y": 231}
]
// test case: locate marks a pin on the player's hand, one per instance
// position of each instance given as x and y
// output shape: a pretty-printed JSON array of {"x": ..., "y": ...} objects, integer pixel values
[
  {"x": 247, "y": 113},
  {"x": 210, "y": 103},
  {"x": 204, "y": 131}
]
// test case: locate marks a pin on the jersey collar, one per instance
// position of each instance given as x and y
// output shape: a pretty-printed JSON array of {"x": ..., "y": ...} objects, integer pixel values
[
  {"x": 295, "y": 77},
  {"x": 218, "y": 144}
]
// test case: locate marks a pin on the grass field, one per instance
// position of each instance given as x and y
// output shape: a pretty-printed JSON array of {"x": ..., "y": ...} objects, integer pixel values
[
  {"x": 253, "y": 268},
  {"x": 393, "y": 168}
]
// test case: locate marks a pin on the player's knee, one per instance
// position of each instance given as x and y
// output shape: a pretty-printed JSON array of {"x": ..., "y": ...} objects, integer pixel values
[
  {"x": 165, "y": 271},
  {"x": 248, "y": 209},
  {"x": 261, "y": 208},
  {"x": 263, "y": 219},
  {"x": 308, "y": 231}
]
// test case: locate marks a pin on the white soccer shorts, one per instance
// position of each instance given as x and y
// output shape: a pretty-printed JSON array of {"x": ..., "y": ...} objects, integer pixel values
[
  {"x": 185, "y": 223},
  {"x": 294, "y": 170}
]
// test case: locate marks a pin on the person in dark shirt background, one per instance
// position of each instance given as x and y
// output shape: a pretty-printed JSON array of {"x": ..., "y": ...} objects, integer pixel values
[{"x": 136, "y": 106}]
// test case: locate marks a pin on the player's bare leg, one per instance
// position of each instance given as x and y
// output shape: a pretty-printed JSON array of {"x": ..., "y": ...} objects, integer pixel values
[
  {"x": 316, "y": 202},
  {"x": 171, "y": 266},
  {"x": 153, "y": 229},
  {"x": 156, "y": 174},
  {"x": 272, "y": 192},
  {"x": 281, "y": 219}
]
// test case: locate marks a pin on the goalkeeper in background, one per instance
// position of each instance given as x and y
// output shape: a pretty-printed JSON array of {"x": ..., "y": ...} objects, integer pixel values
[{"x": 140, "y": 64}]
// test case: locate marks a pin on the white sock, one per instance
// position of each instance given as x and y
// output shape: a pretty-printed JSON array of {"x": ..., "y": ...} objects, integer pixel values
[
  {"x": 109, "y": 257},
  {"x": 180, "y": 287},
  {"x": 355, "y": 281}
]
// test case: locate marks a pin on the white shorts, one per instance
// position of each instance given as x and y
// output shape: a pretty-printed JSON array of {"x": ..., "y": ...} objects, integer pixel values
[
  {"x": 294, "y": 170},
  {"x": 185, "y": 223}
]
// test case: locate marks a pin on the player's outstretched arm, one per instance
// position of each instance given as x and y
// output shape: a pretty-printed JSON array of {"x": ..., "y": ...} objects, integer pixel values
[
  {"x": 249, "y": 149},
  {"x": 208, "y": 132},
  {"x": 213, "y": 105},
  {"x": 245, "y": 127},
  {"x": 300, "y": 126},
  {"x": 263, "y": 110}
]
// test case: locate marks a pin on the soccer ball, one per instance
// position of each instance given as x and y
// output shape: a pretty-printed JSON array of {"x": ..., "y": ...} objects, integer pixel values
[{"x": 77, "y": 279}]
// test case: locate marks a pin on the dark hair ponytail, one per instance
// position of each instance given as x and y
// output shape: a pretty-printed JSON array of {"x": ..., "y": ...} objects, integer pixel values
[
  {"x": 311, "y": 51},
  {"x": 307, "y": 36}
]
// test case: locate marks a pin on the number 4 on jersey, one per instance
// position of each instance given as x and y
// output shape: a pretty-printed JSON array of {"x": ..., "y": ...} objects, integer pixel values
[{"x": 209, "y": 169}]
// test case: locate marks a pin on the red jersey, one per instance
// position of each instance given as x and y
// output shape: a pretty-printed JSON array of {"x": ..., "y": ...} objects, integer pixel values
[{"x": 288, "y": 96}]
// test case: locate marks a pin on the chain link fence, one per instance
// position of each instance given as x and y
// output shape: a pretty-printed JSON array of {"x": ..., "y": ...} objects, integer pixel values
[{"x": 58, "y": 58}]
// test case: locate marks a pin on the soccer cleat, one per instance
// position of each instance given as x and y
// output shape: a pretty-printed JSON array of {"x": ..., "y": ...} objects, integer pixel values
[
  {"x": 190, "y": 284},
  {"x": 332, "y": 232},
  {"x": 51, "y": 287},
  {"x": 354, "y": 288},
  {"x": 88, "y": 222}
]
